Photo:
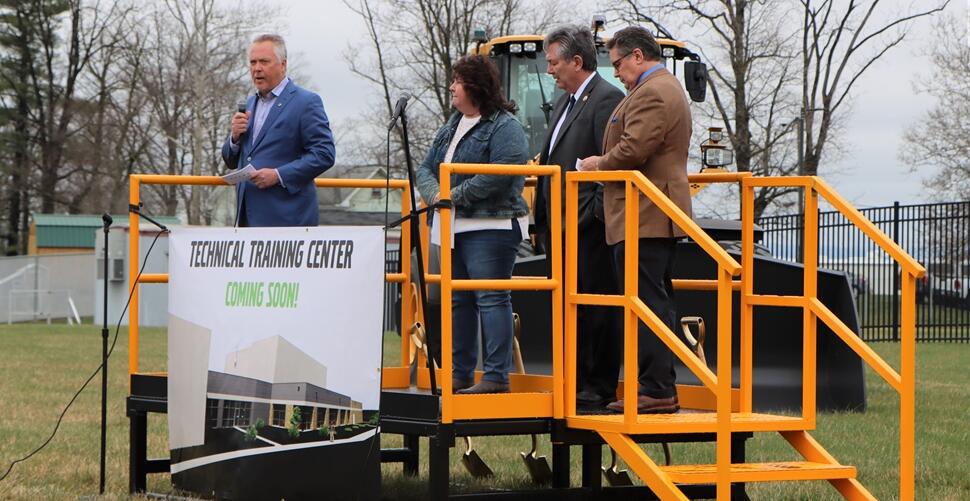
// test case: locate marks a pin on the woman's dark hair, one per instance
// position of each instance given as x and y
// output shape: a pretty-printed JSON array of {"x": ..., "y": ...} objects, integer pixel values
[{"x": 479, "y": 77}]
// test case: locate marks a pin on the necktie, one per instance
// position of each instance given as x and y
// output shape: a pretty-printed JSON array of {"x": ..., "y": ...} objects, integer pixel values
[
  {"x": 562, "y": 120},
  {"x": 569, "y": 107}
]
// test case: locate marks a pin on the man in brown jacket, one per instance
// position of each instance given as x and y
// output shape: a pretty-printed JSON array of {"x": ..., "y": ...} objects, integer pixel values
[{"x": 649, "y": 132}]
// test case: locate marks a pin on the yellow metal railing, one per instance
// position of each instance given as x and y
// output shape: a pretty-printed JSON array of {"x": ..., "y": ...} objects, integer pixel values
[
  {"x": 904, "y": 381},
  {"x": 483, "y": 406},
  {"x": 635, "y": 310},
  {"x": 137, "y": 180},
  {"x": 561, "y": 403}
]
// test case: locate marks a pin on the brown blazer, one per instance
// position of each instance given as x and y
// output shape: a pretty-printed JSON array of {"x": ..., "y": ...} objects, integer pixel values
[{"x": 649, "y": 132}]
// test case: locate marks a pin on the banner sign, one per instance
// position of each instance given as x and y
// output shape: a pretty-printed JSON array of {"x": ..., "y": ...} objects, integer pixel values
[{"x": 274, "y": 356}]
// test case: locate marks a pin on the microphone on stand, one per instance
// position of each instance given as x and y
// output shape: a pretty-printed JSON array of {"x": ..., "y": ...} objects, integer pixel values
[
  {"x": 106, "y": 220},
  {"x": 402, "y": 103}
]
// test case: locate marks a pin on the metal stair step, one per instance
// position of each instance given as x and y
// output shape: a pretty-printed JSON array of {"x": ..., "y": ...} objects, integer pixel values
[
  {"x": 687, "y": 422},
  {"x": 759, "y": 472}
]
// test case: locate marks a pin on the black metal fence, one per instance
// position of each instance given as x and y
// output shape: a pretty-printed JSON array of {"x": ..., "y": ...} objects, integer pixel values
[{"x": 936, "y": 235}]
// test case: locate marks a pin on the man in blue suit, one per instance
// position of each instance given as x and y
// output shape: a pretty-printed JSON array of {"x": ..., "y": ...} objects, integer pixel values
[{"x": 286, "y": 136}]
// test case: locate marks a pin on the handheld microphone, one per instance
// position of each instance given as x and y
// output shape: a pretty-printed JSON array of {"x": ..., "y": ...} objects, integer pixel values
[
  {"x": 402, "y": 103},
  {"x": 241, "y": 107}
]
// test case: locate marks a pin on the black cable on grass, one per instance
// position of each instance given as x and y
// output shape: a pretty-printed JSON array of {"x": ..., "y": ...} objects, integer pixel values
[{"x": 96, "y": 371}]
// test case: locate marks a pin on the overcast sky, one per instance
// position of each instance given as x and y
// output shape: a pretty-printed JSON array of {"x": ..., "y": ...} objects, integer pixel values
[{"x": 868, "y": 172}]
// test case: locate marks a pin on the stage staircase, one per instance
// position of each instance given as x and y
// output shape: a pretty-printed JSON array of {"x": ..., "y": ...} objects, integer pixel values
[
  {"x": 719, "y": 406},
  {"x": 665, "y": 480},
  {"x": 727, "y": 410}
]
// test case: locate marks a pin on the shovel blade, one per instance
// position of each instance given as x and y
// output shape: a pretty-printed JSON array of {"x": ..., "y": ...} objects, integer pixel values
[
  {"x": 475, "y": 465},
  {"x": 617, "y": 478},
  {"x": 538, "y": 467}
]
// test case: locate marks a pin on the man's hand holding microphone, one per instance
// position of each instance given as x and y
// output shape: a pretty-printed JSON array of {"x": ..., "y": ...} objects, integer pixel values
[
  {"x": 240, "y": 121},
  {"x": 262, "y": 178}
]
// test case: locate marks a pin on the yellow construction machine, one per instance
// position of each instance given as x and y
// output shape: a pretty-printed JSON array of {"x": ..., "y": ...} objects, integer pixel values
[{"x": 522, "y": 65}]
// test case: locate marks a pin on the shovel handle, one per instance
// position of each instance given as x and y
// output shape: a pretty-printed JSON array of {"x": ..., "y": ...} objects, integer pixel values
[
  {"x": 696, "y": 344},
  {"x": 516, "y": 350},
  {"x": 612, "y": 460},
  {"x": 419, "y": 340}
]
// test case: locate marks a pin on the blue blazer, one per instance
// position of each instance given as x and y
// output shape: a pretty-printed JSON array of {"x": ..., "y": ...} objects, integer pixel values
[{"x": 296, "y": 140}]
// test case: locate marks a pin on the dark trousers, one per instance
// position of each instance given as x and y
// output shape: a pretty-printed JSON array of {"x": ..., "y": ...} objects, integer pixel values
[
  {"x": 599, "y": 329},
  {"x": 656, "y": 361}
]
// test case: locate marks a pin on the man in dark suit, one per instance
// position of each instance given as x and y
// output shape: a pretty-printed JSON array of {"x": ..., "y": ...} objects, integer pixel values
[
  {"x": 576, "y": 131},
  {"x": 284, "y": 133},
  {"x": 650, "y": 132}
]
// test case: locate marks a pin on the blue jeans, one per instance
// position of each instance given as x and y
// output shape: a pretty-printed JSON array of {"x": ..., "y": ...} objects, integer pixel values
[{"x": 484, "y": 254}]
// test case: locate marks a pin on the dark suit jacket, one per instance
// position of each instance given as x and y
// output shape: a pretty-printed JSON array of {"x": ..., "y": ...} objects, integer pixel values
[
  {"x": 649, "y": 132},
  {"x": 296, "y": 140},
  {"x": 580, "y": 136}
]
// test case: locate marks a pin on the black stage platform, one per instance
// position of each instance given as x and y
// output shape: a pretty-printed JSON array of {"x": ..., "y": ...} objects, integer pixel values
[{"x": 414, "y": 413}]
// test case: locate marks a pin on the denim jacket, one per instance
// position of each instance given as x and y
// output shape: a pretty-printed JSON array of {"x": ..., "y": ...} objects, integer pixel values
[{"x": 497, "y": 139}]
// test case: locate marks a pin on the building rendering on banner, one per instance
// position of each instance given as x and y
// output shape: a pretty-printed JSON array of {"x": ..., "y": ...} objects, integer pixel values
[{"x": 267, "y": 381}]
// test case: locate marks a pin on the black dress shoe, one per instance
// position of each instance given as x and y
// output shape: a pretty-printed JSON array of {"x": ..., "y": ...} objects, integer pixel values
[
  {"x": 591, "y": 399},
  {"x": 592, "y": 410}
]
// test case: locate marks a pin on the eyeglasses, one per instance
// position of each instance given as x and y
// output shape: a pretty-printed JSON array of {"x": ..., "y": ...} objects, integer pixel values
[{"x": 616, "y": 64}]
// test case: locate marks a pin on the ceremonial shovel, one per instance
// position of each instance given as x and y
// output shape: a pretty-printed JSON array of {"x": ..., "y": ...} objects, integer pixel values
[
  {"x": 615, "y": 476},
  {"x": 537, "y": 465},
  {"x": 473, "y": 462},
  {"x": 470, "y": 459}
]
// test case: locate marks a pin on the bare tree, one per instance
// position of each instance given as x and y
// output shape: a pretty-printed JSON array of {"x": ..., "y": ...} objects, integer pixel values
[
  {"x": 414, "y": 44},
  {"x": 763, "y": 78},
  {"x": 55, "y": 92},
  {"x": 940, "y": 141},
  {"x": 50, "y": 43},
  {"x": 114, "y": 142},
  {"x": 840, "y": 41},
  {"x": 198, "y": 72}
]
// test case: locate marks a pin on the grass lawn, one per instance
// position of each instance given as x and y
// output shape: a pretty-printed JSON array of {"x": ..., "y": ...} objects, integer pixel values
[{"x": 43, "y": 365}]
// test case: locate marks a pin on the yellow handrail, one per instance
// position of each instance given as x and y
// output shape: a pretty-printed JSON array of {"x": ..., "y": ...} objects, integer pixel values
[
  {"x": 871, "y": 230},
  {"x": 907, "y": 375},
  {"x": 904, "y": 381},
  {"x": 683, "y": 221},
  {"x": 635, "y": 310},
  {"x": 448, "y": 284},
  {"x": 717, "y": 177}
]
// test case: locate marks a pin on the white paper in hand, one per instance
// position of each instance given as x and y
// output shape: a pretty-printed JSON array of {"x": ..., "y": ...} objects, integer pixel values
[
  {"x": 579, "y": 165},
  {"x": 239, "y": 175}
]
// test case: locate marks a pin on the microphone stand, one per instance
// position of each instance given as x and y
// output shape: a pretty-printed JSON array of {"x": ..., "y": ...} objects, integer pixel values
[
  {"x": 106, "y": 219},
  {"x": 416, "y": 231}
]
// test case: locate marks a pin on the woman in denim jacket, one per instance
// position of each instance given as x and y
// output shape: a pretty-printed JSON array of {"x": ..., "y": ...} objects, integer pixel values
[{"x": 491, "y": 218}]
